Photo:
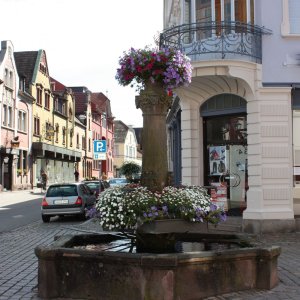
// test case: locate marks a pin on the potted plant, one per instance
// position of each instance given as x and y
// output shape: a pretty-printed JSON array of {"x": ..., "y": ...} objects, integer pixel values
[
  {"x": 132, "y": 206},
  {"x": 166, "y": 67}
]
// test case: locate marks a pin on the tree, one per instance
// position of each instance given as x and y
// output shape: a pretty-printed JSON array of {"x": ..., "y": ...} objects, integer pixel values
[{"x": 129, "y": 169}]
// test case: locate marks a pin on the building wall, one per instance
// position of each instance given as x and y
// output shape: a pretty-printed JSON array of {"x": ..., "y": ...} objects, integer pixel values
[
  {"x": 123, "y": 153},
  {"x": 269, "y": 136},
  {"x": 10, "y": 140},
  {"x": 280, "y": 49}
]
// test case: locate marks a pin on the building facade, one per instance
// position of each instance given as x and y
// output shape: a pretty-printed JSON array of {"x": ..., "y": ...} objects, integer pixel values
[
  {"x": 233, "y": 127},
  {"x": 15, "y": 107},
  {"x": 125, "y": 146},
  {"x": 103, "y": 129},
  {"x": 51, "y": 120}
]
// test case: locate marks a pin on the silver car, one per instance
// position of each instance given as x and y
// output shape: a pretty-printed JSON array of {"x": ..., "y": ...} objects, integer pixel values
[{"x": 66, "y": 199}]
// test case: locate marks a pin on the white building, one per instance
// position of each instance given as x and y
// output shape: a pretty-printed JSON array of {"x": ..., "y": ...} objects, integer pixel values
[
  {"x": 235, "y": 126},
  {"x": 125, "y": 146}
]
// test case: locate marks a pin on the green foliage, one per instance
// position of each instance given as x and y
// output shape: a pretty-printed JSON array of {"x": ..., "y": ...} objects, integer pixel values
[{"x": 129, "y": 169}]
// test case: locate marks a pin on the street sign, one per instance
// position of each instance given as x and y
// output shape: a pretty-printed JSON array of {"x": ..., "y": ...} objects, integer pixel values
[{"x": 100, "y": 150}]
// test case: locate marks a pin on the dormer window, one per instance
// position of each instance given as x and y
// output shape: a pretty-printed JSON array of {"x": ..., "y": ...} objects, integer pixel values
[{"x": 22, "y": 84}]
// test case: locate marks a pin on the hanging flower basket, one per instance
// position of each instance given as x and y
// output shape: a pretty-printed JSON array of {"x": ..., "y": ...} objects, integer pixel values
[{"x": 168, "y": 67}]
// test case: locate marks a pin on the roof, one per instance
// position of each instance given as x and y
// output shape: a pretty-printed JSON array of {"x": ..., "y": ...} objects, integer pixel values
[
  {"x": 120, "y": 131},
  {"x": 56, "y": 85},
  {"x": 25, "y": 63},
  {"x": 100, "y": 103},
  {"x": 80, "y": 102}
]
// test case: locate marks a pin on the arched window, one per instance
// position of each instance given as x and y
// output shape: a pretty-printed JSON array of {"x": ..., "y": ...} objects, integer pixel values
[{"x": 223, "y": 104}]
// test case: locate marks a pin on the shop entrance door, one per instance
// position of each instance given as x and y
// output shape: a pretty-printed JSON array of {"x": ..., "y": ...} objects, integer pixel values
[{"x": 226, "y": 161}]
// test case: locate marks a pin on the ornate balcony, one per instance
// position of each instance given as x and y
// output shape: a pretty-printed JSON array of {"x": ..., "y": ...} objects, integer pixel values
[{"x": 216, "y": 40}]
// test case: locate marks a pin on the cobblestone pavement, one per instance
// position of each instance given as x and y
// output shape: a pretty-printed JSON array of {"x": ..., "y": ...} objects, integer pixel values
[{"x": 18, "y": 263}]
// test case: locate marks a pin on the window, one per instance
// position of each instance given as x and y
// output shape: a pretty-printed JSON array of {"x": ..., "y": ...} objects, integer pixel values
[
  {"x": 294, "y": 16},
  {"x": 36, "y": 126},
  {"x": 22, "y": 118},
  {"x": 77, "y": 141},
  {"x": 83, "y": 143},
  {"x": 64, "y": 135},
  {"x": 219, "y": 10},
  {"x": 25, "y": 161},
  {"x": 290, "y": 17},
  {"x": 39, "y": 95},
  {"x": 7, "y": 116},
  {"x": 47, "y": 100},
  {"x": 4, "y": 122},
  {"x": 56, "y": 132},
  {"x": 89, "y": 145},
  {"x": 22, "y": 84},
  {"x": 116, "y": 150},
  {"x": 6, "y": 77},
  {"x": 71, "y": 137}
]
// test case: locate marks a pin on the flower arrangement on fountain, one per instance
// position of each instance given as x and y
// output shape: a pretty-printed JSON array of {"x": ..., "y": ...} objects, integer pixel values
[
  {"x": 127, "y": 207},
  {"x": 168, "y": 67}
]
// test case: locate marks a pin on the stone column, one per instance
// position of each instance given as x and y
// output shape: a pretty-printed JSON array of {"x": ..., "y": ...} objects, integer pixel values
[
  {"x": 154, "y": 103},
  {"x": 192, "y": 153},
  {"x": 270, "y": 160}
]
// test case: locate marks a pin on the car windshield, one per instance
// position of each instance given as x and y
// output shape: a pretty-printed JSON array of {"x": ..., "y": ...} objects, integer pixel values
[{"x": 62, "y": 191}]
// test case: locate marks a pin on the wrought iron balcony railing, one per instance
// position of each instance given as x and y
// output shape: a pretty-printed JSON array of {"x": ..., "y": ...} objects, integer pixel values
[{"x": 216, "y": 40}]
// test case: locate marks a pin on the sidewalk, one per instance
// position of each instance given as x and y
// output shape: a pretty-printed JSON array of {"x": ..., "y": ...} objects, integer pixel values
[{"x": 13, "y": 197}]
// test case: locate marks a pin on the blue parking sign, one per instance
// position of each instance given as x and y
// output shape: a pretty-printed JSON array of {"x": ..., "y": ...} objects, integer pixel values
[{"x": 100, "y": 146}]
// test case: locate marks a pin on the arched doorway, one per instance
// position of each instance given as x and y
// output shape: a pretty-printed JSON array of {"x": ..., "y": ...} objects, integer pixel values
[{"x": 225, "y": 150}]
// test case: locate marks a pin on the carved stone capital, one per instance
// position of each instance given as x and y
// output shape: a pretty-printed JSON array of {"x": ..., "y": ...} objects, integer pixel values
[{"x": 153, "y": 96}]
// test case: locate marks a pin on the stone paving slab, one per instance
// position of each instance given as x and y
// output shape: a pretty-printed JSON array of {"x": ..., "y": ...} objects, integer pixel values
[{"x": 18, "y": 263}]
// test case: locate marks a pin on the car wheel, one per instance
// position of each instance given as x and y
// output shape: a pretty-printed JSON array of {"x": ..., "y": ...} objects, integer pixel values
[{"x": 46, "y": 219}]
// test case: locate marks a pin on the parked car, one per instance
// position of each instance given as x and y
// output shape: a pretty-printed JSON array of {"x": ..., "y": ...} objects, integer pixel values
[
  {"x": 118, "y": 182},
  {"x": 67, "y": 199},
  {"x": 94, "y": 185}
]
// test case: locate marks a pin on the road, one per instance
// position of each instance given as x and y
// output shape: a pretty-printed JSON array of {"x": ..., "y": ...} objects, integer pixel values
[{"x": 19, "y": 214}]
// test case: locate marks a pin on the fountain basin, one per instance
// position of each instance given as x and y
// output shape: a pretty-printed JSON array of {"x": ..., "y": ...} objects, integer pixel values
[{"x": 68, "y": 272}]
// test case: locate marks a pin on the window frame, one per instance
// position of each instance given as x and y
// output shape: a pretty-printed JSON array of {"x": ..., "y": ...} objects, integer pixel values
[
  {"x": 22, "y": 120},
  {"x": 36, "y": 126},
  {"x": 285, "y": 25}
]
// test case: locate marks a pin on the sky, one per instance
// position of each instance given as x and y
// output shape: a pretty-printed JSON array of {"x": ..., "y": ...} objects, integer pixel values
[{"x": 84, "y": 39}]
